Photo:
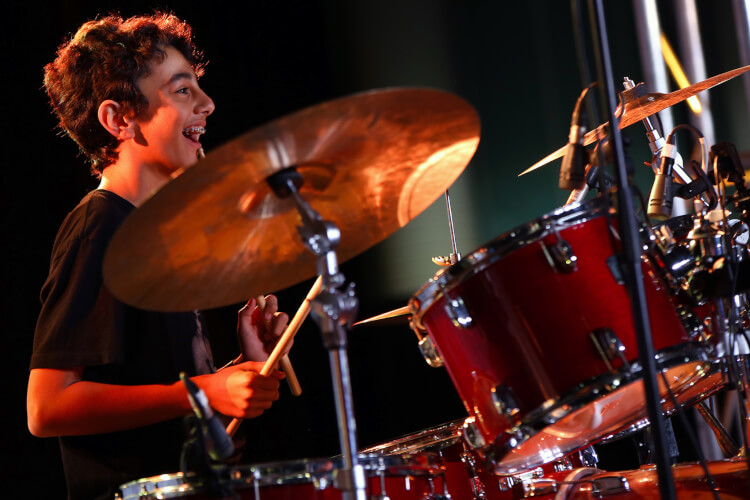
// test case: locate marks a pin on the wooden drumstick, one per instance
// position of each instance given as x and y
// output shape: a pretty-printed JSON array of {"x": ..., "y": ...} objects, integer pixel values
[
  {"x": 289, "y": 333},
  {"x": 285, "y": 364}
]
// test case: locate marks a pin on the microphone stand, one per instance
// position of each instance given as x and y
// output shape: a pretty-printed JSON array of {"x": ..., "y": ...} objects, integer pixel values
[
  {"x": 631, "y": 260},
  {"x": 332, "y": 309}
]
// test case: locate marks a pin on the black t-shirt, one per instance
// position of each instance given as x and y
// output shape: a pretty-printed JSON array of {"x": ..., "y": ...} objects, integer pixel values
[{"x": 82, "y": 325}]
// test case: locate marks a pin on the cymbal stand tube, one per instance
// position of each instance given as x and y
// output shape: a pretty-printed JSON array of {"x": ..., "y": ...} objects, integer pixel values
[
  {"x": 725, "y": 441},
  {"x": 332, "y": 309},
  {"x": 455, "y": 256}
]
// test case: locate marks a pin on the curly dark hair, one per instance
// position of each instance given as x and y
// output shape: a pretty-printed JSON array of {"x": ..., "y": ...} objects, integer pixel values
[{"x": 104, "y": 60}]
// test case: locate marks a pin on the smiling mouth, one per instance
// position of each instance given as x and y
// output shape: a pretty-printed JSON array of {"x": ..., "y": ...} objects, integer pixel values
[{"x": 193, "y": 133}]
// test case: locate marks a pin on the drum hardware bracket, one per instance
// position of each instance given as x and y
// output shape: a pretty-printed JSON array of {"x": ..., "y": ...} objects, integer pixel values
[
  {"x": 609, "y": 485},
  {"x": 505, "y": 401},
  {"x": 472, "y": 435},
  {"x": 609, "y": 346},
  {"x": 531, "y": 488},
  {"x": 426, "y": 345},
  {"x": 589, "y": 457},
  {"x": 615, "y": 267},
  {"x": 429, "y": 352},
  {"x": 458, "y": 312},
  {"x": 513, "y": 482},
  {"x": 560, "y": 254}
]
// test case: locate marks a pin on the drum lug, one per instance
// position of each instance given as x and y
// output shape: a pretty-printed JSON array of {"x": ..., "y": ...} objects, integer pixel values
[
  {"x": 535, "y": 487},
  {"x": 458, "y": 313},
  {"x": 560, "y": 256},
  {"x": 613, "y": 263},
  {"x": 588, "y": 457},
  {"x": 610, "y": 485},
  {"x": 609, "y": 346},
  {"x": 505, "y": 401},
  {"x": 429, "y": 353},
  {"x": 471, "y": 434}
]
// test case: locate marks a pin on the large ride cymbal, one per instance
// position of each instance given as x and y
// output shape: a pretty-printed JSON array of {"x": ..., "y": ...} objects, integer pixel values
[
  {"x": 216, "y": 234},
  {"x": 644, "y": 107}
]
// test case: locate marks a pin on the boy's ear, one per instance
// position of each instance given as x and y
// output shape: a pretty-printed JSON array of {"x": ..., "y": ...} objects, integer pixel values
[{"x": 113, "y": 119}]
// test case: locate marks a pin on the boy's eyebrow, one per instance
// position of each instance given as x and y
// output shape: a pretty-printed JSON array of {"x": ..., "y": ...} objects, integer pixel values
[{"x": 180, "y": 76}]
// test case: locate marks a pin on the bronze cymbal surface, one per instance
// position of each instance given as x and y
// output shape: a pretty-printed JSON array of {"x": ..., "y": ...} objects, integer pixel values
[
  {"x": 644, "y": 107},
  {"x": 216, "y": 234}
]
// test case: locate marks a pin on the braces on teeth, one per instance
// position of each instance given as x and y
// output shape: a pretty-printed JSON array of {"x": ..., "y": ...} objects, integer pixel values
[
  {"x": 193, "y": 130},
  {"x": 199, "y": 153}
]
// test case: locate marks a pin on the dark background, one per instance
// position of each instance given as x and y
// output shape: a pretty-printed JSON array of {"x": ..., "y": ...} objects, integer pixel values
[{"x": 514, "y": 61}]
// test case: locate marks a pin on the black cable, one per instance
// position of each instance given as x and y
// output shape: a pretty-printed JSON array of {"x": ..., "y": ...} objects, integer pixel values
[
  {"x": 583, "y": 59},
  {"x": 688, "y": 429}
]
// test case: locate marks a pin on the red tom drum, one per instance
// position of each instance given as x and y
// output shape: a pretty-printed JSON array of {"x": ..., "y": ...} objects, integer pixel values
[{"x": 536, "y": 332}]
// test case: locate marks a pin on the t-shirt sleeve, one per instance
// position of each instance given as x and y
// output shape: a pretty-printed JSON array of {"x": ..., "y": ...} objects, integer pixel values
[{"x": 78, "y": 324}]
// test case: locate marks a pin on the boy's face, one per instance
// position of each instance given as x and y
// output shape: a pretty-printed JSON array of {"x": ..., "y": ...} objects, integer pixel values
[{"x": 168, "y": 131}]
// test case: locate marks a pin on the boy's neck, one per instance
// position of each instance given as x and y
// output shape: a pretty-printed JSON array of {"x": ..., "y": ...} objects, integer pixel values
[{"x": 134, "y": 182}]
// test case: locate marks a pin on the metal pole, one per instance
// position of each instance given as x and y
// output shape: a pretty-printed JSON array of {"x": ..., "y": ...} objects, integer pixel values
[
  {"x": 742, "y": 22},
  {"x": 631, "y": 255},
  {"x": 648, "y": 29},
  {"x": 455, "y": 256},
  {"x": 693, "y": 60}
]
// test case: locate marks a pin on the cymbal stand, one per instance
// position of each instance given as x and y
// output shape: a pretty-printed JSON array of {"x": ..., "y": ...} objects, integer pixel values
[{"x": 332, "y": 309}]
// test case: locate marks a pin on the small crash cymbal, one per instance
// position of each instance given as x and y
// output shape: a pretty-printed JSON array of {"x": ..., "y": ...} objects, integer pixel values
[
  {"x": 216, "y": 234},
  {"x": 644, "y": 107},
  {"x": 396, "y": 313}
]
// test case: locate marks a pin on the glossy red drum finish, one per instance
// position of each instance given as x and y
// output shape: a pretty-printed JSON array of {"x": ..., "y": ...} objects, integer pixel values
[
  {"x": 398, "y": 478},
  {"x": 466, "y": 478},
  {"x": 730, "y": 482},
  {"x": 529, "y": 340},
  {"x": 465, "y": 475}
]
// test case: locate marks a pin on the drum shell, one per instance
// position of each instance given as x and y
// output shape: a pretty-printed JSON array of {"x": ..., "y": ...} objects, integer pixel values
[{"x": 530, "y": 323}]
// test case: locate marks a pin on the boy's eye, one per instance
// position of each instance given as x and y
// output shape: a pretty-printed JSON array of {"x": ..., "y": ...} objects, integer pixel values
[{"x": 183, "y": 90}]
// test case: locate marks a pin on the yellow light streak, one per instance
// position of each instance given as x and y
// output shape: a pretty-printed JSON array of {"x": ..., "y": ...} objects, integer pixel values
[{"x": 678, "y": 74}]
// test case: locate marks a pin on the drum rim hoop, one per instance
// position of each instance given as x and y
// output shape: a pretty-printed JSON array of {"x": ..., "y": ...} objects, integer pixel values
[
  {"x": 500, "y": 247},
  {"x": 302, "y": 471},
  {"x": 607, "y": 384}
]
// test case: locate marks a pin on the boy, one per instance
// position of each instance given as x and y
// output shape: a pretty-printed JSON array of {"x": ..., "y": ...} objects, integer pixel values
[{"x": 104, "y": 375}]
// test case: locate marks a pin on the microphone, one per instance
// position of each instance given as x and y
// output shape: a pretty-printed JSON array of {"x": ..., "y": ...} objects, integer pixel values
[
  {"x": 573, "y": 169},
  {"x": 218, "y": 443},
  {"x": 632, "y": 93},
  {"x": 662, "y": 194}
]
